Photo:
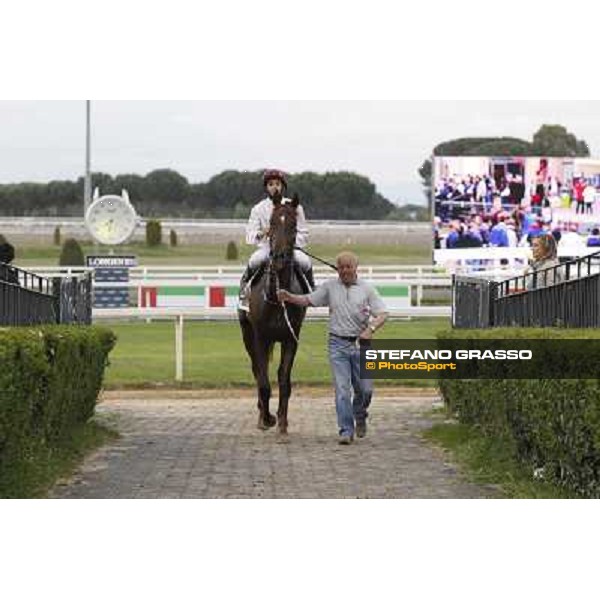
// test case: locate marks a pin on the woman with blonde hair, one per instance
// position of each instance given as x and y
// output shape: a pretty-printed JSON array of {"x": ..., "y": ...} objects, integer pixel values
[{"x": 544, "y": 257}]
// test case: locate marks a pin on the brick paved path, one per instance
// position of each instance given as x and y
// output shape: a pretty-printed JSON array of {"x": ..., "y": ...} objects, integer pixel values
[{"x": 206, "y": 445}]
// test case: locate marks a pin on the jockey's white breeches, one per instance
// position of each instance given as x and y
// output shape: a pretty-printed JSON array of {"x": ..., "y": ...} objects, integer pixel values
[{"x": 261, "y": 255}]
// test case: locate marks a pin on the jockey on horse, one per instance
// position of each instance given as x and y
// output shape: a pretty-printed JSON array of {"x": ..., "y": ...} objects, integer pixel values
[{"x": 257, "y": 233}]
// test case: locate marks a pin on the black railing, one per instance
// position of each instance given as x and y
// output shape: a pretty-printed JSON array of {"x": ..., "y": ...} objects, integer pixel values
[
  {"x": 74, "y": 298},
  {"x": 565, "y": 295},
  {"x": 28, "y": 299},
  {"x": 471, "y": 302}
]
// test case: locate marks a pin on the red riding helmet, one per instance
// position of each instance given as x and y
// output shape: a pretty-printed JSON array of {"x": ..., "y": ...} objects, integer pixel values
[{"x": 274, "y": 174}]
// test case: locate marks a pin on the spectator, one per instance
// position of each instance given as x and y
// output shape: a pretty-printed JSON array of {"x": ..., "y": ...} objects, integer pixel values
[
  {"x": 437, "y": 240},
  {"x": 454, "y": 234},
  {"x": 589, "y": 196},
  {"x": 593, "y": 240},
  {"x": 8, "y": 273},
  {"x": 511, "y": 233},
  {"x": 556, "y": 234},
  {"x": 544, "y": 258},
  {"x": 578, "y": 188},
  {"x": 498, "y": 235},
  {"x": 571, "y": 243}
]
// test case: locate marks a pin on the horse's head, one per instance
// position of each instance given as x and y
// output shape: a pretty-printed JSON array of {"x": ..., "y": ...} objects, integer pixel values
[{"x": 282, "y": 233}]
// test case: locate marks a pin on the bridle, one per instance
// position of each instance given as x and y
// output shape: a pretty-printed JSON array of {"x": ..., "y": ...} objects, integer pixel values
[{"x": 287, "y": 257}]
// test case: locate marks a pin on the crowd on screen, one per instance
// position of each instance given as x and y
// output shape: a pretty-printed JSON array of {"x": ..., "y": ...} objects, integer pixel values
[
  {"x": 478, "y": 211},
  {"x": 511, "y": 229},
  {"x": 484, "y": 194}
]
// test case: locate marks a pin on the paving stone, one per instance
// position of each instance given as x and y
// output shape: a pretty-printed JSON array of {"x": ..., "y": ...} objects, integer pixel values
[{"x": 179, "y": 446}]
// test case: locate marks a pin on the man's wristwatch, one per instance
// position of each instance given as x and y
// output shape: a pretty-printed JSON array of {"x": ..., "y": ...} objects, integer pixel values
[{"x": 372, "y": 328}]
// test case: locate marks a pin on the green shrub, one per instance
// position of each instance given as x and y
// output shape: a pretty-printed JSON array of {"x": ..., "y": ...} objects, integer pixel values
[
  {"x": 240, "y": 211},
  {"x": 232, "y": 251},
  {"x": 153, "y": 233},
  {"x": 173, "y": 238},
  {"x": 49, "y": 384},
  {"x": 23, "y": 378},
  {"x": 57, "y": 236},
  {"x": 71, "y": 254},
  {"x": 554, "y": 423}
]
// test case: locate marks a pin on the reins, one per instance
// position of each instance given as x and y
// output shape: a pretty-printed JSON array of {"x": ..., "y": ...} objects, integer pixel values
[{"x": 316, "y": 258}]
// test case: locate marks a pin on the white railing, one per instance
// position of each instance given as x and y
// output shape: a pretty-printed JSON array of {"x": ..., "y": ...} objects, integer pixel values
[
  {"x": 58, "y": 221},
  {"x": 228, "y": 313},
  {"x": 203, "y": 271},
  {"x": 417, "y": 276}
]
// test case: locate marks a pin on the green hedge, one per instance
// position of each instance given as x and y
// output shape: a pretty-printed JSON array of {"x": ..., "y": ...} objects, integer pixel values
[
  {"x": 50, "y": 378},
  {"x": 553, "y": 424},
  {"x": 71, "y": 254},
  {"x": 153, "y": 233}
]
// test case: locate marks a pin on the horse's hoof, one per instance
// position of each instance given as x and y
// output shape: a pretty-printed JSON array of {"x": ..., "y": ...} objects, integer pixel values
[
  {"x": 267, "y": 422},
  {"x": 282, "y": 431}
]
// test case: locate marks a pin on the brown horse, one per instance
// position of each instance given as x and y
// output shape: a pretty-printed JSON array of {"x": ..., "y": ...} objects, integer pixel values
[{"x": 269, "y": 321}]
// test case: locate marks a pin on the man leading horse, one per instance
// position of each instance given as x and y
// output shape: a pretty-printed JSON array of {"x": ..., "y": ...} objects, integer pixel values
[{"x": 267, "y": 321}]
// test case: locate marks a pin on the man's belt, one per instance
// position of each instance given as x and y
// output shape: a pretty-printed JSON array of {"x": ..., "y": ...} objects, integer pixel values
[{"x": 348, "y": 338}]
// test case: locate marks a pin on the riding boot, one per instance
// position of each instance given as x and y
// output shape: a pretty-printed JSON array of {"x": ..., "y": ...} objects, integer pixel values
[
  {"x": 245, "y": 288},
  {"x": 310, "y": 278}
]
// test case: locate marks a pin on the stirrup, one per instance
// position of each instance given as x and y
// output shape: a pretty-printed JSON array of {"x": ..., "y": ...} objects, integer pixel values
[{"x": 243, "y": 297}]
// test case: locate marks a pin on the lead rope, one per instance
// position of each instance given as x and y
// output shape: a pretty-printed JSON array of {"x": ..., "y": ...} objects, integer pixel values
[
  {"x": 287, "y": 320},
  {"x": 285, "y": 314},
  {"x": 316, "y": 258}
]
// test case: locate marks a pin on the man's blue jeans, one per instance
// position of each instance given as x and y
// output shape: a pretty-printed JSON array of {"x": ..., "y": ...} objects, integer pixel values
[{"x": 344, "y": 358}]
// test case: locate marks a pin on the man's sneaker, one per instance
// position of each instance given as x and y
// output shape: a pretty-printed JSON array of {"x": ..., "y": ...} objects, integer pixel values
[
  {"x": 345, "y": 439},
  {"x": 361, "y": 429}
]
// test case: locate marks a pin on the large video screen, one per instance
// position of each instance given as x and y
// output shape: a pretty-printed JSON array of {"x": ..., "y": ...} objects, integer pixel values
[{"x": 504, "y": 202}]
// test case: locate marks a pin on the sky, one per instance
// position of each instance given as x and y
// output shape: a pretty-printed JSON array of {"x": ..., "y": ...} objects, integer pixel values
[{"x": 384, "y": 140}]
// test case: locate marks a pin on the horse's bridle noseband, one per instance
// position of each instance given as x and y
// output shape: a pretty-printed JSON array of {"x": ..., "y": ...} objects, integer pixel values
[{"x": 287, "y": 257}]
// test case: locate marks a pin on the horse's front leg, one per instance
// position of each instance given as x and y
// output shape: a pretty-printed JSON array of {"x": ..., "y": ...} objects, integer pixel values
[
  {"x": 249, "y": 340},
  {"x": 284, "y": 376},
  {"x": 265, "y": 418}
]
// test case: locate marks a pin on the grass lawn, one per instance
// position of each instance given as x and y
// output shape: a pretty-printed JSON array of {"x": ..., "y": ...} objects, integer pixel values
[
  {"x": 490, "y": 460},
  {"x": 214, "y": 355},
  {"x": 214, "y": 254},
  {"x": 33, "y": 475}
]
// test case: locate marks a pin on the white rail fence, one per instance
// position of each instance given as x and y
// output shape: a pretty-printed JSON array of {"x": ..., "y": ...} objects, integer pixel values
[{"x": 141, "y": 278}]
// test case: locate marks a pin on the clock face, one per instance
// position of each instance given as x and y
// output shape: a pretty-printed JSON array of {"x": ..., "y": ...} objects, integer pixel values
[{"x": 111, "y": 220}]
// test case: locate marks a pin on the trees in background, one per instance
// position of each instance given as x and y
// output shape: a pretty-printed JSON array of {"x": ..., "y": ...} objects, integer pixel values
[
  {"x": 230, "y": 194},
  {"x": 555, "y": 140}
]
